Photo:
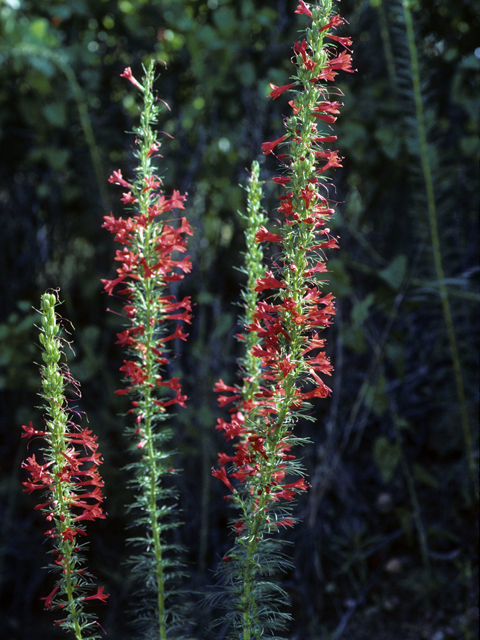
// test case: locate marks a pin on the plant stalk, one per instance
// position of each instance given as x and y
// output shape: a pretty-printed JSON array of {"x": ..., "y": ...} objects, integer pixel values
[{"x": 437, "y": 256}]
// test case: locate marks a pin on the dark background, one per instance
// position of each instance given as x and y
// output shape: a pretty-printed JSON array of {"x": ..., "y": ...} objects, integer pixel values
[{"x": 388, "y": 543}]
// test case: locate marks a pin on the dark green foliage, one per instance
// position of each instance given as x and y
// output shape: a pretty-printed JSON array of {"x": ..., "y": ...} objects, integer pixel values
[
  {"x": 394, "y": 404},
  {"x": 271, "y": 610}
]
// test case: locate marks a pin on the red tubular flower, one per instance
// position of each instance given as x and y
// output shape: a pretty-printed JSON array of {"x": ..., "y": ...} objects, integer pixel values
[
  {"x": 127, "y": 198},
  {"x": 129, "y": 76},
  {"x": 301, "y": 48},
  {"x": 303, "y": 9},
  {"x": 116, "y": 178},
  {"x": 281, "y": 179},
  {"x": 344, "y": 41},
  {"x": 98, "y": 596},
  {"x": 49, "y": 598},
  {"x": 269, "y": 282},
  {"x": 333, "y": 23},
  {"x": 222, "y": 475},
  {"x": 268, "y": 147},
  {"x": 263, "y": 235},
  {"x": 221, "y": 386},
  {"x": 277, "y": 91}
]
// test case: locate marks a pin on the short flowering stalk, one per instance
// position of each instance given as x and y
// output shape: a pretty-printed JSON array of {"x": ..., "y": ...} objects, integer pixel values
[
  {"x": 70, "y": 481},
  {"x": 285, "y": 329},
  {"x": 147, "y": 266}
]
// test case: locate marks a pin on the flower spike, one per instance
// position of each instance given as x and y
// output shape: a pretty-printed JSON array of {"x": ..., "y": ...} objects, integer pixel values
[
  {"x": 69, "y": 480},
  {"x": 148, "y": 260},
  {"x": 285, "y": 364}
]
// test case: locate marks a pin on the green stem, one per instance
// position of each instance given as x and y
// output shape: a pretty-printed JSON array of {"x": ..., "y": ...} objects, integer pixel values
[
  {"x": 437, "y": 257},
  {"x": 417, "y": 514},
  {"x": 71, "y": 605},
  {"x": 254, "y": 269},
  {"x": 157, "y": 543},
  {"x": 387, "y": 47},
  {"x": 409, "y": 479},
  {"x": 152, "y": 454},
  {"x": 250, "y": 569},
  {"x": 61, "y": 491},
  {"x": 249, "y": 576}
]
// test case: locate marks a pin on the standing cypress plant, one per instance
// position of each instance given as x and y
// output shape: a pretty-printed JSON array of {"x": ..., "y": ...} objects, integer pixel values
[
  {"x": 70, "y": 481},
  {"x": 418, "y": 130},
  {"x": 285, "y": 334},
  {"x": 147, "y": 268}
]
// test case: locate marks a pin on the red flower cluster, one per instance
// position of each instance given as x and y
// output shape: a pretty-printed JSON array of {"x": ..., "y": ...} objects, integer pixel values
[
  {"x": 147, "y": 262},
  {"x": 72, "y": 473},
  {"x": 287, "y": 321},
  {"x": 78, "y": 473},
  {"x": 69, "y": 477}
]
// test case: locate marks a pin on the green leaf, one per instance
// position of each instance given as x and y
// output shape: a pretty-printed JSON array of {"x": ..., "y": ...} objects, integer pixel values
[
  {"x": 354, "y": 138},
  {"x": 267, "y": 17},
  {"x": 387, "y": 457},
  {"x": 389, "y": 140},
  {"x": 354, "y": 205},
  {"x": 246, "y": 72},
  {"x": 469, "y": 145},
  {"x": 394, "y": 274},
  {"x": 39, "y": 28},
  {"x": 56, "y": 113},
  {"x": 376, "y": 397},
  {"x": 353, "y": 337},
  {"x": 43, "y": 65},
  {"x": 225, "y": 20},
  {"x": 405, "y": 518},
  {"x": 56, "y": 158},
  {"x": 339, "y": 279},
  {"x": 424, "y": 476},
  {"x": 395, "y": 352},
  {"x": 402, "y": 423},
  {"x": 360, "y": 309}
]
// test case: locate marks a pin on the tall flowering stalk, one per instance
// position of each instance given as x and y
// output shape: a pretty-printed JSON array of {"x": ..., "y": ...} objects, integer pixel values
[
  {"x": 285, "y": 326},
  {"x": 149, "y": 241},
  {"x": 428, "y": 178},
  {"x": 70, "y": 481}
]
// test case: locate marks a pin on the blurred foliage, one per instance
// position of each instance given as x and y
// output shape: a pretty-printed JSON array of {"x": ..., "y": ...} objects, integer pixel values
[{"x": 388, "y": 472}]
